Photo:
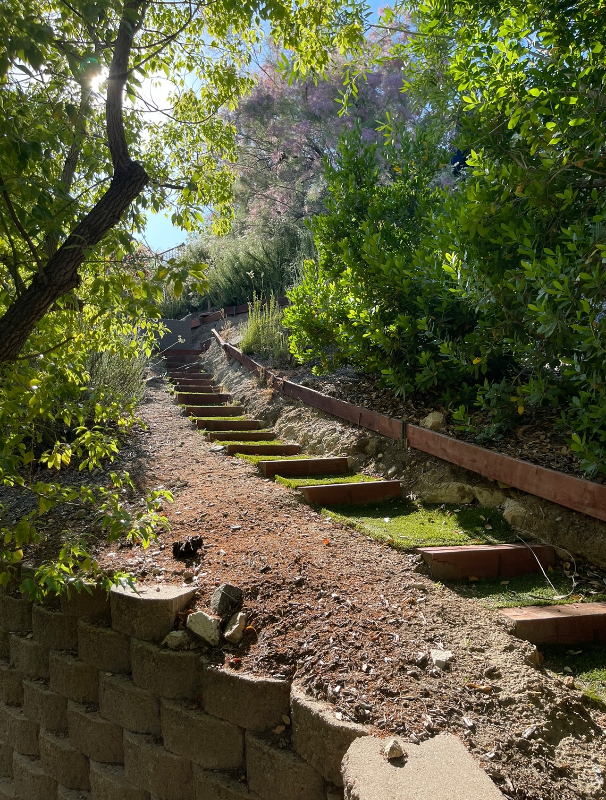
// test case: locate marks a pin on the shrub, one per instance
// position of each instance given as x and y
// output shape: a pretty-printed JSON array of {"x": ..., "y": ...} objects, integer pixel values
[{"x": 264, "y": 333}]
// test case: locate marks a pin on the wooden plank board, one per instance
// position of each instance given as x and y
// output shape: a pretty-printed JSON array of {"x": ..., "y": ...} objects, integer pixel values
[
  {"x": 356, "y": 493},
  {"x": 229, "y": 425},
  {"x": 214, "y": 411},
  {"x": 486, "y": 561},
  {"x": 576, "y": 623},
  {"x": 194, "y": 399},
  {"x": 302, "y": 467},
  {"x": 566, "y": 490},
  {"x": 242, "y": 436},
  {"x": 198, "y": 388}
]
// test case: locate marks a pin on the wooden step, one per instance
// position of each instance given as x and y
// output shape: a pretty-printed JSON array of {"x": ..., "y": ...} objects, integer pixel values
[
  {"x": 190, "y": 376},
  {"x": 241, "y": 436},
  {"x": 182, "y": 361},
  {"x": 181, "y": 351},
  {"x": 264, "y": 449},
  {"x": 486, "y": 561},
  {"x": 343, "y": 493},
  {"x": 214, "y": 411},
  {"x": 302, "y": 467},
  {"x": 577, "y": 623},
  {"x": 195, "y": 387},
  {"x": 193, "y": 399},
  {"x": 229, "y": 425}
]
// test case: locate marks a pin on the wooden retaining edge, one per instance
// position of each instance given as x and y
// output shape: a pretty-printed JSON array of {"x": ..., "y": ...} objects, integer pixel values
[
  {"x": 565, "y": 490},
  {"x": 206, "y": 317},
  {"x": 557, "y": 487},
  {"x": 363, "y": 417}
]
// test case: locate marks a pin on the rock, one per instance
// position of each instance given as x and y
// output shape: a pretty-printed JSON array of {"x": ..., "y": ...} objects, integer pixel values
[
  {"x": 177, "y": 640},
  {"x": 372, "y": 447},
  {"x": 441, "y": 658},
  {"x": 206, "y": 626},
  {"x": 235, "y": 628},
  {"x": 188, "y": 576},
  {"x": 226, "y": 599},
  {"x": 188, "y": 547},
  {"x": 447, "y": 493},
  {"x": 434, "y": 421},
  {"x": 391, "y": 472},
  {"x": 489, "y": 498},
  {"x": 393, "y": 749},
  {"x": 516, "y": 514}
]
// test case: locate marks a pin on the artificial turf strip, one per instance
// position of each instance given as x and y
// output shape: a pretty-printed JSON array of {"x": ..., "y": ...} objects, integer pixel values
[
  {"x": 586, "y": 663},
  {"x": 322, "y": 480},
  {"x": 255, "y": 459},
  {"x": 405, "y": 524},
  {"x": 524, "y": 590}
]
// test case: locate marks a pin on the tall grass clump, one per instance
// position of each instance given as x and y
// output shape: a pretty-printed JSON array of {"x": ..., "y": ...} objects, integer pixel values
[{"x": 264, "y": 333}]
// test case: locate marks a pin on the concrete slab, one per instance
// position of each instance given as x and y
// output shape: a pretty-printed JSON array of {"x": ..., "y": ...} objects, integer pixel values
[{"x": 438, "y": 769}]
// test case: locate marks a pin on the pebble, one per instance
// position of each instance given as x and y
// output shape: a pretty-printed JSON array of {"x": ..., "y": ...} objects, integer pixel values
[
  {"x": 206, "y": 626},
  {"x": 235, "y": 628},
  {"x": 177, "y": 640},
  {"x": 393, "y": 749},
  {"x": 225, "y": 599},
  {"x": 441, "y": 658}
]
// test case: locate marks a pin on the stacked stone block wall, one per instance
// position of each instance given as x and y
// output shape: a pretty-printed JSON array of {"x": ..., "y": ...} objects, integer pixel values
[{"x": 93, "y": 707}]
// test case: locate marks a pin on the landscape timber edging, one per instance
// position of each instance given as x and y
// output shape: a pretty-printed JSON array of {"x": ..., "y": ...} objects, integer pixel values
[
  {"x": 96, "y": 728},
  {"x": 561, "y": 488}
]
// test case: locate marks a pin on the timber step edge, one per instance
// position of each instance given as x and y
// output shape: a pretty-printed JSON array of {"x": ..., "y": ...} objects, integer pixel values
[
  {"x": 486, "y": 560},
  {"x": 214, "y": 411},
  {"x": 576, "y": 623},
  {"x": 228, "y": 425},
  {"x": 303, "y": 467},
  {"x": 264, "y": 449},
  {"x": 242, "y": 436},
  {"x": 344, "y": 493},
  {"x": 202, "y": 399}
]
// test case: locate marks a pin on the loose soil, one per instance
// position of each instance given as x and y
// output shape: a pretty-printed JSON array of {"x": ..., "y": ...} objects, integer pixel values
[{"x": 353, "y": 620}]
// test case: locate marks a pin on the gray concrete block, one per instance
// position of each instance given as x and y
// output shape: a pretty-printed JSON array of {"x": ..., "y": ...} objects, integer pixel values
[
  {"x": 31, "y": 781},
  {"x": 15, "y": 614},
  {"x": 437, "y": 769},
  {"x": 93, "y": 735},
  {"x": 62, "y": 762},
  {"x": 165, "y": 672},
  {"x": 91, "y": 604},
  {"x": 152, "y": 768},
  {"x": 48, "y": 709},
  {"x": 11, "y": 685},
  {"x": 273, "y": 772},
  {"x": 7, "y": 789},
  {"x": 73, "y": 678},
  {"x": 6, "y": 759},
  {"x": 54, "y": 630},
  {"x": 108, "y": 782},
  {"x": 319, "y": 737},
  {"x": 4, "y": 643},
  {"x": 149, "y": 613},
  {"x": 19, "y": 730},
  {"x": 63, "y": 793},
  {"x": 218, "y": 786},
  {"x": 210, "y": 742},
  {"x": 28, "y": 657},
  {"x": 127, "y": 705},
  {"x": 247, "y": 701},
  {"x": 103, "y": 648}
]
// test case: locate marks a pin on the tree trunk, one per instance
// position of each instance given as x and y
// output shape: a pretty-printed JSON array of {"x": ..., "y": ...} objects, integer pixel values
[{"x": 60, "y": 274}]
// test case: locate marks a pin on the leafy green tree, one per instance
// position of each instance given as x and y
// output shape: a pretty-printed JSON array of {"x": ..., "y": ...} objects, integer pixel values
[{"x": 84, "y": 152}]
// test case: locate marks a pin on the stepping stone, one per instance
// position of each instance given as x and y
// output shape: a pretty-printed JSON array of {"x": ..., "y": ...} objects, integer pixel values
[
  {"x": 229, "y": 425},
  {"x": 486, "y": 561},
  {"x": 241, "y": 436},
  {"x": 302, "y": 467},
  {"x": 199, "y": 399},
  {"x": 214, "y": 411},
  {"x": 343, "y": 493},
  {"x": 577, "y": 623},
  {"x": 264, "y": 449}
]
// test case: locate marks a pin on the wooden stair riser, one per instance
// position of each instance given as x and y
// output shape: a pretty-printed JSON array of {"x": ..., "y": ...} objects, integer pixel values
[
  {"x": 486, "y": 561},
  {"x": 191, "y": 376},
  {"x": 193, "y": 399},
  {"x": 355, "y": 493},
  {"x": 196, "y": 389},
  {"x": 214, "y": 411},
  {"x": 305, "y": 467},
  {"x": 229, "y": 425},
  {"x": 242, "y": 436},
  {"x": 578, "y": 623},
  {"x": 264, "y": 449}
]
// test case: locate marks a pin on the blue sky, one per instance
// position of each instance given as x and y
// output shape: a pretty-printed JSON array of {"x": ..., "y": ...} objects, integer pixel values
[{"x": 160, "y": 233}]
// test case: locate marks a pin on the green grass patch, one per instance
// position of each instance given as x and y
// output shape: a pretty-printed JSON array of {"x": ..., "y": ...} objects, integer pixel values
[
  {"x": 255, "y": 459},
  {"x": 405, "y": 524},
  {"x": 524, "y": 590},
  {"x": 585, "y": 662},
  {"x": 322, "y": 480}
]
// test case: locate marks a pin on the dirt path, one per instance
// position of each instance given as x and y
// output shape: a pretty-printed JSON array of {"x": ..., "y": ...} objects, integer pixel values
[{"x": 354, "y": 622}]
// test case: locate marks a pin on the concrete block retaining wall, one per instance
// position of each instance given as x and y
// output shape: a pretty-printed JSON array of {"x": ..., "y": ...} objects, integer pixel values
[{"x": 91, "y": 706}]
